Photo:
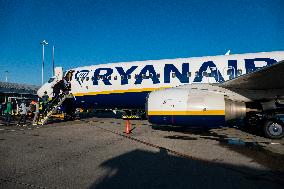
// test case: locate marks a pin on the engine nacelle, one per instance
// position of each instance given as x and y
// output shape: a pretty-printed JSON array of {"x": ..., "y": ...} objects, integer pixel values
[{"x": 192, "y": 108}]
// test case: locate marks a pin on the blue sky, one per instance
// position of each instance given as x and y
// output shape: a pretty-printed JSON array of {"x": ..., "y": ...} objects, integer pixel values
[{"x": 100, "y": 31}]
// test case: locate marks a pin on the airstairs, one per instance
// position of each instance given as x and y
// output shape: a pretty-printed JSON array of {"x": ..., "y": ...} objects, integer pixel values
[{"x": 52, "y": 107}]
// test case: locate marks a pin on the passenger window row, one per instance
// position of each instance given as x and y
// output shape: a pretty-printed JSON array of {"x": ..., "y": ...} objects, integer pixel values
[{"x": 230, "y": 72}]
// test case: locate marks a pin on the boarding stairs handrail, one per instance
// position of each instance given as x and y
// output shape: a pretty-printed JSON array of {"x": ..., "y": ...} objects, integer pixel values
[{"x": 52, "y": 107}]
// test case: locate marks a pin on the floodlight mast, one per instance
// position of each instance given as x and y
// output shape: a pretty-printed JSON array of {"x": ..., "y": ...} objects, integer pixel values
[
  {"x": 53, "y": 60},
  {"x": 43, "y": 43}
]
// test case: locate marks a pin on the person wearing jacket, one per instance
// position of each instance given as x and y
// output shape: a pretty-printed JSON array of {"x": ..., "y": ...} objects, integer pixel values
[
  {"x": 23, "y": 114},
  {"x": 8, "y": 112},
  {"x": 36, "y": 113}
]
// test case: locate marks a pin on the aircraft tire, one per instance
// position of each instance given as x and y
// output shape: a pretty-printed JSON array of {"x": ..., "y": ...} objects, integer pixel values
[{"x": 273, "y": 129}]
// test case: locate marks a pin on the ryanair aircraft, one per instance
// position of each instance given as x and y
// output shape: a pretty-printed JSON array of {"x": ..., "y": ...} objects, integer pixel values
[{"x": 210, "y": 91}]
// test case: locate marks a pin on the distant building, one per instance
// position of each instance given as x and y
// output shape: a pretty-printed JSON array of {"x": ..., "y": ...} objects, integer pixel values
[{"x": 17, "y": 90}]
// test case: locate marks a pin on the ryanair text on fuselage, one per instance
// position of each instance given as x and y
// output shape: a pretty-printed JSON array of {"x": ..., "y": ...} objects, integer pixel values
[{"x": 149, "y": 72}]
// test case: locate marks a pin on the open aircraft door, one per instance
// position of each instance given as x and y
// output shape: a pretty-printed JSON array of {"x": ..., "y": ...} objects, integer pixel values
[{"x": 58, "y": 73}]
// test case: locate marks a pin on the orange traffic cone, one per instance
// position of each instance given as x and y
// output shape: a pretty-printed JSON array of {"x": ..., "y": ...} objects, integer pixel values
[{"x": 127, "y": 127}]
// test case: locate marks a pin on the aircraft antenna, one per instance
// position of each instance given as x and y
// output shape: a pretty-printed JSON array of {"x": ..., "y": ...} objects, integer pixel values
[{"x": 228, "y": 53}]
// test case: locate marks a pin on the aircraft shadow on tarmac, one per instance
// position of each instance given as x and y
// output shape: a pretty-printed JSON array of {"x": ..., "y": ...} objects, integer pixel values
[
  {"x": 143, "y": 169},
  {"x": 253, "y": 149}
]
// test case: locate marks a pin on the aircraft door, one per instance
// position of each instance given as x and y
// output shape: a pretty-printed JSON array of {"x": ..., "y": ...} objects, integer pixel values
[
  {"x": 67, "y": 79},
  {"x": 69, "y": 75},
  {"x": 58, "y": 73}
]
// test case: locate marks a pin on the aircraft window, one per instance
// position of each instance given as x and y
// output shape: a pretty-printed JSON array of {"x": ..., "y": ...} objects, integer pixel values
[
  {"x": 196, "y": 73},
  {"x": 115, "y": 78},
  {"x": 230, "y": 72},
  {"x": 158, "y": 75},
  {"x": 188, "y": 74},
  {"x": 129, "y": 76},
  {"x": 205, "y": 74},
  {"x": 51, "y": 80},
  {"x": 109, "y": 77},
  {"x": 122, "y": 77},
  {"x": 87, "y": 78},
  {"x": 240, "y": 72},
  {"x": 143, "y": 76},
  {"x": 212, "y": 74},
  {"x": 173, "y": 75}
]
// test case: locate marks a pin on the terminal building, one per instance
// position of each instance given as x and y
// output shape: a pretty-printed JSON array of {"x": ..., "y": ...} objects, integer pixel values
[{"x": 18, "y": 91}]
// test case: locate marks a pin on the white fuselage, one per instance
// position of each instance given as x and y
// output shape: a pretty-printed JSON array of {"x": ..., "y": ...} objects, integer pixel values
[
  {"x": 116, "y": 85},
  {"x": 83, "y": 78}
]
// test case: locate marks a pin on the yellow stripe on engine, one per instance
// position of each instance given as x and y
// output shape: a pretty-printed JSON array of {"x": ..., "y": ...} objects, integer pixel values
[
  {"x": 207, "y": 112},
  {"x": 118, "y": 91}
]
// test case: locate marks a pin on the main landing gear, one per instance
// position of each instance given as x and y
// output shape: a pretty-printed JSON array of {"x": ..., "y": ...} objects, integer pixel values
[{"x": 270, "y": 123}]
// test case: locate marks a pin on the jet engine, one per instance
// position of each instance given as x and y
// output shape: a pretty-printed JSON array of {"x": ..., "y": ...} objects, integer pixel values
[{"x": 193, "y": 108}]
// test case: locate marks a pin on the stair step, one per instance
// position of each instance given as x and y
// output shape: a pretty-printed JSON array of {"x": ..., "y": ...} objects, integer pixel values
[{"x": 51, "y": 112}]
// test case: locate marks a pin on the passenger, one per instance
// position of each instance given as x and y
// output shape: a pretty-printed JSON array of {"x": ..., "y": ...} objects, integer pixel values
[
  {"x": 14, "y": 107},
  {"x": 44, "y": 100},
  {"x": 40, "y": 105},
  {"x": 66, "y": 86},
  {"x": 8, "y": 112},
  {"x": 32, "y": 106},
  {"x": 36, "y": 113},
  {"x": 3, "y": 108},
  {"x": 56, "y": 89},
  {"x": 23, "y": 113}
]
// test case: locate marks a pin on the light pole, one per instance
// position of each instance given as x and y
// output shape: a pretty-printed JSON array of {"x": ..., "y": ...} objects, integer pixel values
[
  {"x": 42, "y": 67},
  {"x": 53, "y": 60}
]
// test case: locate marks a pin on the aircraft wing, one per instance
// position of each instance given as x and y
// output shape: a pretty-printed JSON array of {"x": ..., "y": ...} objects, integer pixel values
[{"x": 265, "y": 84}]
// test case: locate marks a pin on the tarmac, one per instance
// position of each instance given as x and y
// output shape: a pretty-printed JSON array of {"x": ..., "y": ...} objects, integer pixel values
[{"x": 96, "y": 153}]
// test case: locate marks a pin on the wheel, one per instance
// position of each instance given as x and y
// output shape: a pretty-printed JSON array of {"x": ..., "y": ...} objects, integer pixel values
[{"x": 273, "y": 129}]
